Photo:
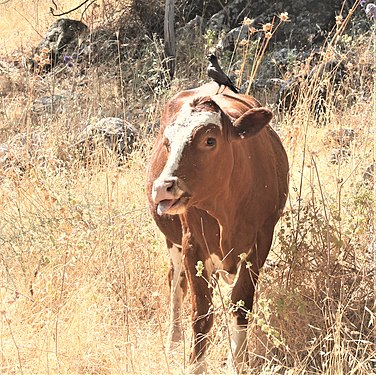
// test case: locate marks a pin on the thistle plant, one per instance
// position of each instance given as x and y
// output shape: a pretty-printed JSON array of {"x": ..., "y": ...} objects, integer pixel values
[{"x": 268, "y": 31}]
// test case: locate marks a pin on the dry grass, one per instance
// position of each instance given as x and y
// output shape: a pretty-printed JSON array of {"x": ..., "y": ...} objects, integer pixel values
[
  {"x": 23, "y": 23},
  {"x": 83, "y": 267}
]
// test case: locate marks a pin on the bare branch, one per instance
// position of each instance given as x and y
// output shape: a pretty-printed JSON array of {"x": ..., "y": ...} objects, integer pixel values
[{"x": 71, "y": 10}]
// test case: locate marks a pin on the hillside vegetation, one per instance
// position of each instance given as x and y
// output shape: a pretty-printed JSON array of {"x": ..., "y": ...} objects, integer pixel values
[{"x": 83, "y": 268}]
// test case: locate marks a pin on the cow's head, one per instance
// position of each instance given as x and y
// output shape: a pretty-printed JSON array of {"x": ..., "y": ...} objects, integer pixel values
[{"x": 199, "y": 150}]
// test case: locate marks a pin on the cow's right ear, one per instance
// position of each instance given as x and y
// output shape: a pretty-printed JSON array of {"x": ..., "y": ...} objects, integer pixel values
[{"x": 250, "y": 123}]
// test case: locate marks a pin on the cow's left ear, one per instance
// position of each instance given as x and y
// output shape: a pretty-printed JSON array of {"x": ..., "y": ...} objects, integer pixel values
[{"x": 250, "y": 123}]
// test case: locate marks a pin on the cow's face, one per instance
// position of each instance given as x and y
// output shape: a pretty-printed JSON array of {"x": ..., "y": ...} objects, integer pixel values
[{"x": 199, "y": 154}]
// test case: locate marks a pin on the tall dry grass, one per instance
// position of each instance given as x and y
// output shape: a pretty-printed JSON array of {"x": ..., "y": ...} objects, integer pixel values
[
  {"x": 83, "y": 268},
  {"x": 23, "y": 23}
]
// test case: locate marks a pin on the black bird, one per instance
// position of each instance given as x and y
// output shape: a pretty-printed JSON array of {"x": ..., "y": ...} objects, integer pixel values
[{"x": 216, "y": 73}]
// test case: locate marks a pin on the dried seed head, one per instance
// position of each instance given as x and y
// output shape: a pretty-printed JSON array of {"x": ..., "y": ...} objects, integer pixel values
[
  {"x": 362, "y": 61},
  {"x": 267, "y": 27},
  {"x": 284, "y": 17},
  {"x": 247, "y": 22},
  {"x": 268, "y": 35}
]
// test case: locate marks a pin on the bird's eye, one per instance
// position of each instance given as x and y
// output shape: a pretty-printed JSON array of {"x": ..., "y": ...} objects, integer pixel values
[{"x": 211, "y": 142}]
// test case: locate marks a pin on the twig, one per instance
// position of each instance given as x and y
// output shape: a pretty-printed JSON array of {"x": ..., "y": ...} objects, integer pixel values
[
  {"x": 86, "y": 8},
  {"x": 30, "y": 24},
  {"x": 71, "y": 10}
]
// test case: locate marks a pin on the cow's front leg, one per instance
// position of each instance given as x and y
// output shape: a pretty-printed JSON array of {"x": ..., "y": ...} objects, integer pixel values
[
  {"x": 242, "y": 300},
  {"x": 201, "y": 295},
  {"x": 243, "y": 294},
  {"x": 178, "y": 289}
]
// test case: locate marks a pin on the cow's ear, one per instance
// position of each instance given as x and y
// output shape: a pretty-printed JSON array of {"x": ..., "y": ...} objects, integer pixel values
[{"x": 250, "y": 123}]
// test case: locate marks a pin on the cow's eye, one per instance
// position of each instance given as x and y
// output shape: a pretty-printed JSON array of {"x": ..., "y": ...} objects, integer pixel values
[{"x": 211, "y": 142}]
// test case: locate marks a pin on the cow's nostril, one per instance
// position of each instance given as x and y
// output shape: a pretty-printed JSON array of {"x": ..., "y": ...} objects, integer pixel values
[
  {"x": 170, "y": 185},
  {"x": 164, "y": 189}
]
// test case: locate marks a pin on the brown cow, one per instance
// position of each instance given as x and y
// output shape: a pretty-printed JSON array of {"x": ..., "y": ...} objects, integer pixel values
[{"x": 217, "y": 185}]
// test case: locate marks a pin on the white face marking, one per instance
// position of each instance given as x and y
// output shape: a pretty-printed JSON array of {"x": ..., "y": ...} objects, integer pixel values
[{"x": 181, "y": 130}]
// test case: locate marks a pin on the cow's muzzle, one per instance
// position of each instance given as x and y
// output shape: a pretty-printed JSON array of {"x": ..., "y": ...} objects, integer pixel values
[{"x": 168, "y": 197}]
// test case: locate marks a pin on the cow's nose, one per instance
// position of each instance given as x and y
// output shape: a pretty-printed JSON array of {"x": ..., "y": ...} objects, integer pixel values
[{"x": 164, "y": 189}]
